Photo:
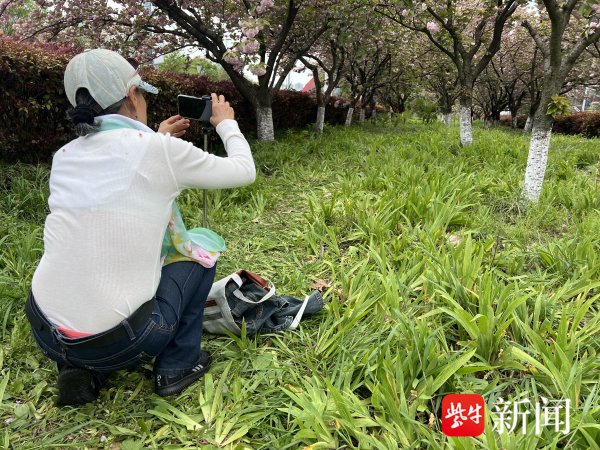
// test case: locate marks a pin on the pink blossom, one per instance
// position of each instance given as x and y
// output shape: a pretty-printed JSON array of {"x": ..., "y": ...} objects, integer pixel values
[
  {"x": 233, "y": 59},
  {"x": 258, "y": 70},
  {"x": 250, "y": 46},
  {"x": 423, "y": 6},
  {"x": 264, "y": 5},
  {"x": 432, "y": 26},
  {"x": 250, "y": 32},
  {"x": 228, "y": 58},
  {"x": 250, "y": 27}
]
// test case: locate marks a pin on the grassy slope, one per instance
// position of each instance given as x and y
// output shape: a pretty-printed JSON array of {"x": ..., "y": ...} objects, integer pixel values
[{"x": 438, "y": 283}]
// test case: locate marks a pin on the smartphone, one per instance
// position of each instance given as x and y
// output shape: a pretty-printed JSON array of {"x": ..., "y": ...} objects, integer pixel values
[{"x": 195, "y": 108}]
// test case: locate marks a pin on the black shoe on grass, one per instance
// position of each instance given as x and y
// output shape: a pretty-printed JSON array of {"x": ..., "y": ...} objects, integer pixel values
[
  {"x": 174, "y": 384},
  {"x": 76, "y": 386}
]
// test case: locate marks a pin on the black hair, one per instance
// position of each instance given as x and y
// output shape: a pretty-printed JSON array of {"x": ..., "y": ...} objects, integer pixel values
[{"x": 84, "y": 114}]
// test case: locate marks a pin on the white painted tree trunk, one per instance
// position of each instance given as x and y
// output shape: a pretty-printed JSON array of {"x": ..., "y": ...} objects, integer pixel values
[
  {"x": 514, "y": 121},
  {"x": 264, "y": 123},
  {"x": 349, "y": 117},
  {"x": 320, "y": 119},
  {"x": 529, "y": 124},
  {"x": 466, "y": 125},
  {"x": 373, "y": 115},
  {"x": 536, "y": 164},
  {"x": 447, "y": 118},
  {"x": 361, "y": 116}
]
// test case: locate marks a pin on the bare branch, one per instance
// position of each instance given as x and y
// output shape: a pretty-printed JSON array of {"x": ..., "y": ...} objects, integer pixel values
[
  {"x": 292, "y": 11},
  {"x": 419, "y": 29},
  {"x": 494, "y": 44},
  {"x": 582, "y": 44},
  {"x": 536, "y": 37}
]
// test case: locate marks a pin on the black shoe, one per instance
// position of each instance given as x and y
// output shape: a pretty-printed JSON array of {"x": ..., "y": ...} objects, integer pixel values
[
  {"x": 76, "y": 386},
  {"x": 174, "y": 384}
]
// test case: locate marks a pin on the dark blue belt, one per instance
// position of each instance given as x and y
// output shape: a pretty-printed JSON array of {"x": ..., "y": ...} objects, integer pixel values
[{"x": 140, "y": 316}]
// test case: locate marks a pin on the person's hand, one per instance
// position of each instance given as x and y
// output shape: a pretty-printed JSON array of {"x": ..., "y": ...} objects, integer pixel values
[
  {"x": 175, "y": 125},
  {"x": 220, "y": 110}
]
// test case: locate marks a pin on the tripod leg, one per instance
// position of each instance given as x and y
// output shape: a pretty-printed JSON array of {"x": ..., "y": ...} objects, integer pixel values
[
  {"x": 204, "y": 222},
  {"x": 204, "y": 208}
]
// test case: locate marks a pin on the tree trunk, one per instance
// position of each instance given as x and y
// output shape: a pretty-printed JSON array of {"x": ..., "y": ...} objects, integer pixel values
[
  {"x": 513, "y": 120},
  {"x": 528, "y": 124},
  {"x": 536, "y": 162},
  {"x": 401, "y": 106},
  {"x": 532, "y": 112},
  {"x": 349, "y": 117},
  {"x": 264, "y": 123},
  {"x": 447, "y": 117},
  {"x": 373, "y": 114},
  {"x": 361, "y": 116},
  {"x": 540, "y": 143},
  {"x": 466, "y": 125},
  {"x": 320, "y": 119}
]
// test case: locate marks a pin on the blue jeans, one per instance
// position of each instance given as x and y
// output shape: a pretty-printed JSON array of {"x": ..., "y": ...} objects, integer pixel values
[{"x": 172, "y": 334}]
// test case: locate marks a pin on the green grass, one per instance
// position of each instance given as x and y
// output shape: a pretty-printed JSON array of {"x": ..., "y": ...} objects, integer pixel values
[{"x": 439, "y": 283}]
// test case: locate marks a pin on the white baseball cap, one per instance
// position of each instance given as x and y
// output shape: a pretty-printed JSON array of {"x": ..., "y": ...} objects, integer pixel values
[{"x": 105, "y": 74}]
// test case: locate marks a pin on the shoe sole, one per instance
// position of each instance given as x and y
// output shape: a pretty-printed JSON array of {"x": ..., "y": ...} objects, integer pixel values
[
  {"x": 179, "y": 386},
  {"x": 75, "y": 387}
]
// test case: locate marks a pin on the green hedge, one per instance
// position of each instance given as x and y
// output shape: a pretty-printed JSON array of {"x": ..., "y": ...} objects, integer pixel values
[
  {"x": 33, "y": 103},
  {"x": 33, "y": 106},
  {"x": 584, "y": 123}
]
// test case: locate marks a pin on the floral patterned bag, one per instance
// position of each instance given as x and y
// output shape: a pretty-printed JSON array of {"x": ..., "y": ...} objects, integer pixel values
[{"x": 198, "y": 244}]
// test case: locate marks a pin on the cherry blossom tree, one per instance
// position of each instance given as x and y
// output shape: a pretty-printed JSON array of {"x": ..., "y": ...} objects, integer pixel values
[
  {"x": 400, "y": 86},
  {"x": 328, "y": 56},
  {"x": 263, "y": 37},
  {"x": 399, "y": 79},
  {"x": 560, "y": 56},
  {"x": 12, "y": 11},
  {"x": 490, "y": 95},
  {"x": 369, "y": 53},
  {"x": 468, "y": 32},
  {"x": 517, "y": 66},
  {"x": 403, "y": 76},
  {"x": 366, "y": 64},
  {"x": 584, "y": 73},
  {"x": 438, "y": 74}
]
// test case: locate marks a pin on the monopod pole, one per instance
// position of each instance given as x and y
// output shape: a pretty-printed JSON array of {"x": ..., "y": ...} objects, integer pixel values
[{"x": 204, "y": 225}]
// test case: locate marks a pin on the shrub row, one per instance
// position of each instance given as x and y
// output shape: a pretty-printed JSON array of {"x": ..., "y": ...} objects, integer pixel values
[
  {"x": 584, "y": 123},
  {"x": 33, "y": 103},
  {"x": 33, "y": 106},
  {"x": 507, "y": 121}
]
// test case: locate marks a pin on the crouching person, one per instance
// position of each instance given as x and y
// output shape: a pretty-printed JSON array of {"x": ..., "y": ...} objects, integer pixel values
[{"x": 101, "y": 299}]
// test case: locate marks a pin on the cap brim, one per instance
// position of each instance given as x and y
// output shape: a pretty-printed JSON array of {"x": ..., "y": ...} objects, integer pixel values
[{"x": 147, "y": 87}]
